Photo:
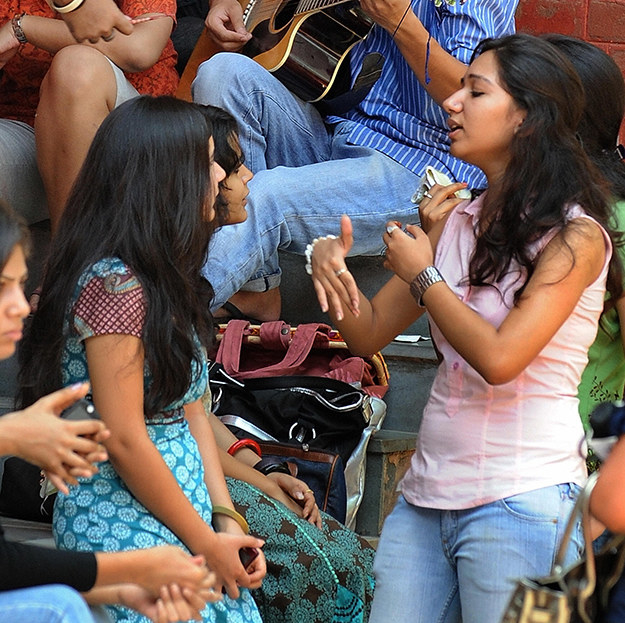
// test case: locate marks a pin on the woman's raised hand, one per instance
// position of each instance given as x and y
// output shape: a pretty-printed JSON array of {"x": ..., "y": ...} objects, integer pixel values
[
  {"x": 436, "y": 206},
  {"x": 408, "y": 252},
  {"x": 332, "y": 280}
]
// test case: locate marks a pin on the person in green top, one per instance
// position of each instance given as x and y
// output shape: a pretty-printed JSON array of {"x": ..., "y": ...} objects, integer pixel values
[{"x": 604, "y": 377}]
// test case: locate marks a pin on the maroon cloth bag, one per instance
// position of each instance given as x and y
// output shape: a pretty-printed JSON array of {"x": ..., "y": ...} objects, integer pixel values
[{"x": 313, "y": 349}]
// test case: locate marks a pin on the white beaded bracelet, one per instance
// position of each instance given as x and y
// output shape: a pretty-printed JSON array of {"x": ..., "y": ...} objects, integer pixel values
[
  {"x": 309, "y": 251},
  {"x": 68, "y": 8}
]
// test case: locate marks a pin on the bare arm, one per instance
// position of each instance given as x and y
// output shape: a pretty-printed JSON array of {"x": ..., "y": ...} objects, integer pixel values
[
  {"x": 95, "y": 19},
  {"x": 134, "y": 53},
  {"x": 607, "y": 502},
  {"x": 498, "y": 354}
]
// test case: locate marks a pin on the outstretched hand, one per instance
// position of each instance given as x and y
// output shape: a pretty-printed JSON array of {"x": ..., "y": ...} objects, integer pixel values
[
  {"x": 333, "y": 282},
  {"x": 65, "y": 449}
]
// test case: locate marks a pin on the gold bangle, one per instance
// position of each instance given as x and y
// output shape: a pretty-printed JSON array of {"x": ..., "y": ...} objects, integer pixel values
[
  {"x": 230, "y": 512},
  {"x": 67, "y": 8}
]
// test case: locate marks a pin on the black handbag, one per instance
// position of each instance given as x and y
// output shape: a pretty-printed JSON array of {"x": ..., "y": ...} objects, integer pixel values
[
  {"x": 579, "y": 593},
  {"x": 315, "y": 413},
  {"x": 313, "y": 422}
]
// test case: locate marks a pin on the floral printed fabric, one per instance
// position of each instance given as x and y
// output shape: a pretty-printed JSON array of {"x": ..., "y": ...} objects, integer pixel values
[{"x": 101, "y": 514}]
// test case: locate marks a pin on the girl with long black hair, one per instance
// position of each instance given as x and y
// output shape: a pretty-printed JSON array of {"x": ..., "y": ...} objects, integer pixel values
[{"x": 123, "y": 305}]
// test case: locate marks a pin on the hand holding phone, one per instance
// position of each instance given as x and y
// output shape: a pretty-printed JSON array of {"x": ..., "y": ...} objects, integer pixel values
[
  {"x": 82, "y": 409},
  {"x": 247, "y": 555}
]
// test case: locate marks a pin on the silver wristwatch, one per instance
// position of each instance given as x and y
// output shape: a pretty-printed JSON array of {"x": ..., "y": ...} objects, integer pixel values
[{"x": 426, "y": 278}]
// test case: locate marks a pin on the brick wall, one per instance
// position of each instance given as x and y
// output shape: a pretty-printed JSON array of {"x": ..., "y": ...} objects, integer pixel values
[{"x": 601, "y": 22}]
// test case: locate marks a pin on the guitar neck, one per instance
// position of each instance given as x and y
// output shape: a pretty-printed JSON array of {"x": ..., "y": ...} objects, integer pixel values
[
  {"x": 257, "y": 10},
  {"x": 306, "y": 6}
]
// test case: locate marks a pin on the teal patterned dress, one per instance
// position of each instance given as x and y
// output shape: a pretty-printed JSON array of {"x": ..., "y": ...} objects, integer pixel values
[
  {"x": 101, "y": 514},
  {"x": 313, "y": 575}
]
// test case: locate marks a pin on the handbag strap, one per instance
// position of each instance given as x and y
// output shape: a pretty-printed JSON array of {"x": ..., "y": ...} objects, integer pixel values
[
  {"x": 298, "y": 346},
  {"x": 582, "y": 506}
]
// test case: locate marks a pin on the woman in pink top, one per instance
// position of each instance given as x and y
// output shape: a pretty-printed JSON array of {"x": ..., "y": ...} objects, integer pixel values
[{"x": 513, "y": 283}]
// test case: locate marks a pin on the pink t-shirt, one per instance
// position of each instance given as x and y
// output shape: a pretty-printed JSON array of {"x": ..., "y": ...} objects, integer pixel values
[{"x": 479, "y": 443}]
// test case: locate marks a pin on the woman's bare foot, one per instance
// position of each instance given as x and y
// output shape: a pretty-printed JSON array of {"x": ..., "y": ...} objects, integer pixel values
[{"x": 261, "y": 306}]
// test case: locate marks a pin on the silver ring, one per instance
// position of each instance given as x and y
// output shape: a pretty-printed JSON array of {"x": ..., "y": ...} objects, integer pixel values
[
  {"x": 391, "y": 228},
  {"x": 108, "y": 37},
  {"x": 340, "y": 271},
  {"x": 427, "y": 194}
]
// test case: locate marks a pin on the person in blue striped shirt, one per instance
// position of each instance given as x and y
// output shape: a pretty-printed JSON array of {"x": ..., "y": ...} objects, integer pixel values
[{"x": 366, "y": 162}]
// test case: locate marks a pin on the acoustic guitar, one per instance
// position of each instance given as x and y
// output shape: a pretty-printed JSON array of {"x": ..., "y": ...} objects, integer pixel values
[{"x": 304, "y": 43}]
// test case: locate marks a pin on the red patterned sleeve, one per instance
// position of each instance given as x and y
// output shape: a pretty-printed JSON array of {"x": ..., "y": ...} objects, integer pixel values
[{"x": 110, "y": 305}]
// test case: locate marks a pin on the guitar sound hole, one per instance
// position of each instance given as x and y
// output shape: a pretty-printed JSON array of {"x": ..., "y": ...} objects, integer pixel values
[{"x": 284, "y": 15}]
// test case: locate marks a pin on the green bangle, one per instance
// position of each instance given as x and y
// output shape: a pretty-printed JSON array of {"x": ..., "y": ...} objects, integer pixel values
[{"x": 230, "y": 512}]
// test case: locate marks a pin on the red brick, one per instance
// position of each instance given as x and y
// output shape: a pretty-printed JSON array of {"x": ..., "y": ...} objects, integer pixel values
[
  {"x": 606, "y": 20},
  {"x": 564, "y": 16}
]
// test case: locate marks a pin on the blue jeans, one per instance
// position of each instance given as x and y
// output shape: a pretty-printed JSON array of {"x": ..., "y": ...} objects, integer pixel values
[
  {"x": 44, "y": 604},
  {"x": 306, "y": 175},
  {"x": 435, "y": 566}
]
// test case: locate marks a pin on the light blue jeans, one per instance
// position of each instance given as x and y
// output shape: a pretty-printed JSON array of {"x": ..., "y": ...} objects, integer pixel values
[
  {"x": 52, "y": 603},
  {"x": 435, "y": 566},
  {"x": 306, "y": 175}
]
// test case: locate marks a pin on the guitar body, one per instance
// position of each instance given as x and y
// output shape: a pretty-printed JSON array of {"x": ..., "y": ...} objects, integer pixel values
[{"x": 305, "y": 51}]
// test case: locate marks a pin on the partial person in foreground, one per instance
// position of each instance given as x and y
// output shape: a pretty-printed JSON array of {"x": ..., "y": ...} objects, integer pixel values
[
  {"x": 129, "y": 315},
  {"x": 513, "y": 284},
  {"x": 38, "y": 583}
]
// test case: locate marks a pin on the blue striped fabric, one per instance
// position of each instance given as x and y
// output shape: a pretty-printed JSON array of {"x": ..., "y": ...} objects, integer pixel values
[{"x": 398, "y": 117}]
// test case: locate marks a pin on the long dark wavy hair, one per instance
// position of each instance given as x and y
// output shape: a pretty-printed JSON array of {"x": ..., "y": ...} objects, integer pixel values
[
  {"x": 13, "y": 232},
  {"x": 142, "y": 195},
  {"x": 604, "y": 90},
  {"x": 548, "y": 169},
  {"x": 228, "y": 154}
]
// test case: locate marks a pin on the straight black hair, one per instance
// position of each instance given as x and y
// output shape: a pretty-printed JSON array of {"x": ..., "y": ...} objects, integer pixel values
[{"x": 143, "y": 195}]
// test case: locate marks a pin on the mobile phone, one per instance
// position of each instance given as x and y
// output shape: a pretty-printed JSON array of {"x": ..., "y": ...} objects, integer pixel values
[
  {"x": 82, "y": 409},
  {"x": 248, "y": 555}
]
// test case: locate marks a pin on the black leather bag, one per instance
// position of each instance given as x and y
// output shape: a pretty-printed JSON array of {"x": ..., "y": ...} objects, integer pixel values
[
  {"x": 315, "y": 413},
  {"x": 313, "y": 422}
]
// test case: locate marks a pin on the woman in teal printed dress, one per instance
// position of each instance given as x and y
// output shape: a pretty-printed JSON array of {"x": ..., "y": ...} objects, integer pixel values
[
  {"x": 318, "y": 571},
  {"x": 123, "y": 306}
]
